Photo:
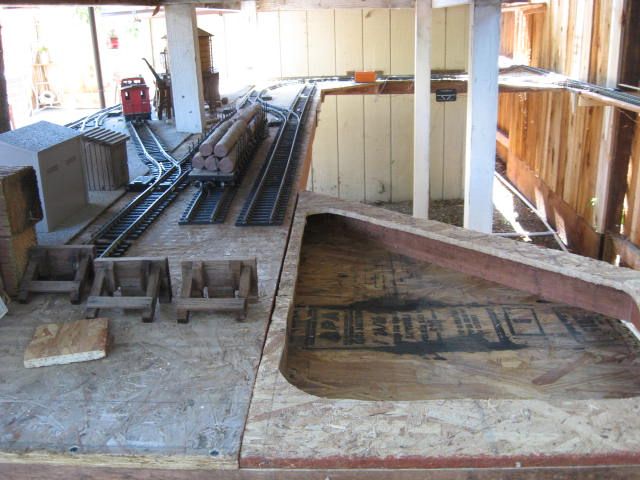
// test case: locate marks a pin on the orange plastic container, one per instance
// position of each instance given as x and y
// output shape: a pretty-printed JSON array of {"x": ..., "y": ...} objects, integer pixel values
[{"x": 365, "y": 77}]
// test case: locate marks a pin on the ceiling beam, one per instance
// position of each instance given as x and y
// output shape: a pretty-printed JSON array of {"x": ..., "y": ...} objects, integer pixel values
[{"x": 219, "y": 4}]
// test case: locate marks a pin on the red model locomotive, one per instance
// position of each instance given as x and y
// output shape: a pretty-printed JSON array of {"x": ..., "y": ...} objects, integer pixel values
[{"x": 136, "y": 104}]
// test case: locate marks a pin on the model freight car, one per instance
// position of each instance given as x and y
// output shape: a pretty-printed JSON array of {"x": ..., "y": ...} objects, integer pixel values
[{"x": 136, "y": 105}]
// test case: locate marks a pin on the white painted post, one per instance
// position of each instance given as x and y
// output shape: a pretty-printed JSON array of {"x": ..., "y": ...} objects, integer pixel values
[
  {"x": 482, "y": 114},
  {"x": 422, "y": 109},
  {"x": 184, "y": 65}
]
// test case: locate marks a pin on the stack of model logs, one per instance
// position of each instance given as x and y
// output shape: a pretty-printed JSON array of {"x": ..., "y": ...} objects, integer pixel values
[
  {"x": 222, "y": 151},
  {"x": 20, "y": 210}
]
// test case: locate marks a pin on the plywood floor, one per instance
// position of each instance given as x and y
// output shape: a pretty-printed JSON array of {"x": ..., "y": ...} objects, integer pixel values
[
  {"x": 177, "y": 394},
  {"x": 372, "y": 325}
]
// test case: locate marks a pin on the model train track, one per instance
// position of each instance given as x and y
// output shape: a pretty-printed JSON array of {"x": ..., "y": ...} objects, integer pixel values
[
  {"x": 115, "y": 237},
  {"x": 268, "y": 199},
  {"x": 209, "y": 205},
  {"x": 96, "y": 119}
]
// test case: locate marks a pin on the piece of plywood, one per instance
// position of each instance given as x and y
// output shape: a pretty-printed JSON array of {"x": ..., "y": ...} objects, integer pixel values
[
  {"x": 325, "y": 149},
  {"x": 376, "y": 40},
  {"x": 293, "y": 44},
  {"x": 455, "y": 117},
  {"x": 402, "y": 41},
  {"x": 62, "y": 343},
  {"x": 321, "y": 42},
  {"x": 351, "y": 146},
  {"x": 401, "y": 148},
  {"x": 437, "y": 149},
  {"x": 268, "y": 45},
  {"x": 348, "y": 31},
  {"x": 377, "y": 148}
]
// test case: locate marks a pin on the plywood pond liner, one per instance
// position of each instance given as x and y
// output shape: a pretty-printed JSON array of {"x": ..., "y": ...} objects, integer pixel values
[{"x": 405, "y": 343}]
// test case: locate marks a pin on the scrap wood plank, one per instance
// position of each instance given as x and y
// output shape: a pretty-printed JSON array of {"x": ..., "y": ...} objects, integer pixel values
[
  {"x": 217, "y": 285},
  {"x": 57, "y": 269},
  {"x": 58, "y": 344},
  {"x": 135, "y": 283}
]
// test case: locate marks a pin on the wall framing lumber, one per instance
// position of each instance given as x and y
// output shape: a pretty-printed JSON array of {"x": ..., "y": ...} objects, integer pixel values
[
  {"x": 422, "y": 110},
  {"x": 48, "y": 472},
  {"x": 577, "y": 233}
]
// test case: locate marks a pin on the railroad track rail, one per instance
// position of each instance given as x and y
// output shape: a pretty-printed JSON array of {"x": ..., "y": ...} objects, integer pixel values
[
  {"x": 209, "y": 205},
  {"x": 116, "y": 236},
  {"x": 95, "y": 119},
  {"x": 268, "y": 199}
]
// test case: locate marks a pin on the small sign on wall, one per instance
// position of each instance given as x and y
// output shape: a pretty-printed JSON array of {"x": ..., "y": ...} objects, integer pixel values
[{"x": 446, "y": 95}]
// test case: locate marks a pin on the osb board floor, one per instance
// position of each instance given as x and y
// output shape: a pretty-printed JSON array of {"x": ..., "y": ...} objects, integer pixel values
[
  {"x": 288, "y": 427},
  {"x": 371, "y": 324},
  {"x": 168, "y": 395}
]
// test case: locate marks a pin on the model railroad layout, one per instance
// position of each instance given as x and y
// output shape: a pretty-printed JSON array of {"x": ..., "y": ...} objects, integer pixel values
[
  {"x": 217, "y": 164},
  {"x": 220, "y": 164},
  {"x": 267, "y": 201}
]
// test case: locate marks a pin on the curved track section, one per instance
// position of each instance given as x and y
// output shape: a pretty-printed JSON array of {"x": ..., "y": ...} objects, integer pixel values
[
  {"x": 115, "y": 237},
  {"x": 268, "y": 199},
  {"x": 95, "y": 119}
]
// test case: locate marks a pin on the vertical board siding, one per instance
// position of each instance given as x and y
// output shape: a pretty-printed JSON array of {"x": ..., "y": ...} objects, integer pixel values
[
  {"x": 382, "y": 143},
  {"x": 348, "y": 31},
  {"x": 455, "y": 121},
  {"x": 293, "y": 44},
  {"x": 401, "y": 148},
  {"x": 268, "y": 40},
  {"x": 376, "y": 40},
  {"x": 402, "y": 44},
  {"x": 321, "y": 42},
  {"x": 351, "y": 164},
  {"x": 325, "y": 149},
  {"x": 377, "y": 148}
]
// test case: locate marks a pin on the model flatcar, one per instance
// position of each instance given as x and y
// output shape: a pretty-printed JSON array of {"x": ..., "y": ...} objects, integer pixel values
[{"x": 136, "y": 105}]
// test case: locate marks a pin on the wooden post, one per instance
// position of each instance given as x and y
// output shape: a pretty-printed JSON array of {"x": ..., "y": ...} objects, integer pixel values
[
  {"x": 609, "y": 119},
  {"x": 629, "y": 72},
  {"x": 5, "y": 121},
  {"x": 422, "y": 110},
  {"x": 482, "y": 114}
]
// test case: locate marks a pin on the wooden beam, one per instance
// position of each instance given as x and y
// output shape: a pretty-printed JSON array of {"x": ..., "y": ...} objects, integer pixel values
[
  {"x": 482, "y": 114},
  {"x": 422, "y": 110},
  {"x": 618, "y": 246},
  {"x": 271, "y": 5}
]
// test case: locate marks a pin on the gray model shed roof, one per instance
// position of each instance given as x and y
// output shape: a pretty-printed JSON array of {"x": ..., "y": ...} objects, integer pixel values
[{"x": 38, "y": 136}]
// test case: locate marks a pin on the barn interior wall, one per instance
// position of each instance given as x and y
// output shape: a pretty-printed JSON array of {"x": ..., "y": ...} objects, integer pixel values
[{"x": 556, "y": 141}]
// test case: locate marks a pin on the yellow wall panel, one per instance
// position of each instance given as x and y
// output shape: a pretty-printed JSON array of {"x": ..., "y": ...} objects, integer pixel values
[
  {"x": 377, "y": 148},
  {"x": 457, "y": 38},
  {"x": 351, "y": 146},
  {"x": 325, "y": 149},
  {"x": 455, "y": 115},
  {"x": 348, "y": 25},
  {"x": 436, "y": 150},
  {"x": 268, "y": 45},
  {"x": 376, "y": 39},
  {"x": 402, "y": 41},
  {"x": 293, "y": 44},
  {"x": 438, "y": 38},
  {"x": 321, "y": 42},
  {"x": 401, "y": 147}
]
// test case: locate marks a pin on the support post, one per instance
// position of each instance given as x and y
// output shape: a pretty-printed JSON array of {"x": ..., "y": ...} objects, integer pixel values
[
  {"x": 422, "y": 109},
  {"x": 184, "y": 65},
  {"x": 96, "y": 55},
  {"x": 5, "y": 121},
  {"x": 482, "y": 114}
]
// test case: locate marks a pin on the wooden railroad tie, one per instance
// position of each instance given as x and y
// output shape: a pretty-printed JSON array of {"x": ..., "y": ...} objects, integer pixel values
[
  {"x": 132, "y": 283},
  {"x": 217, "y": 286},
  {"x": 57, "y": 269}
]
